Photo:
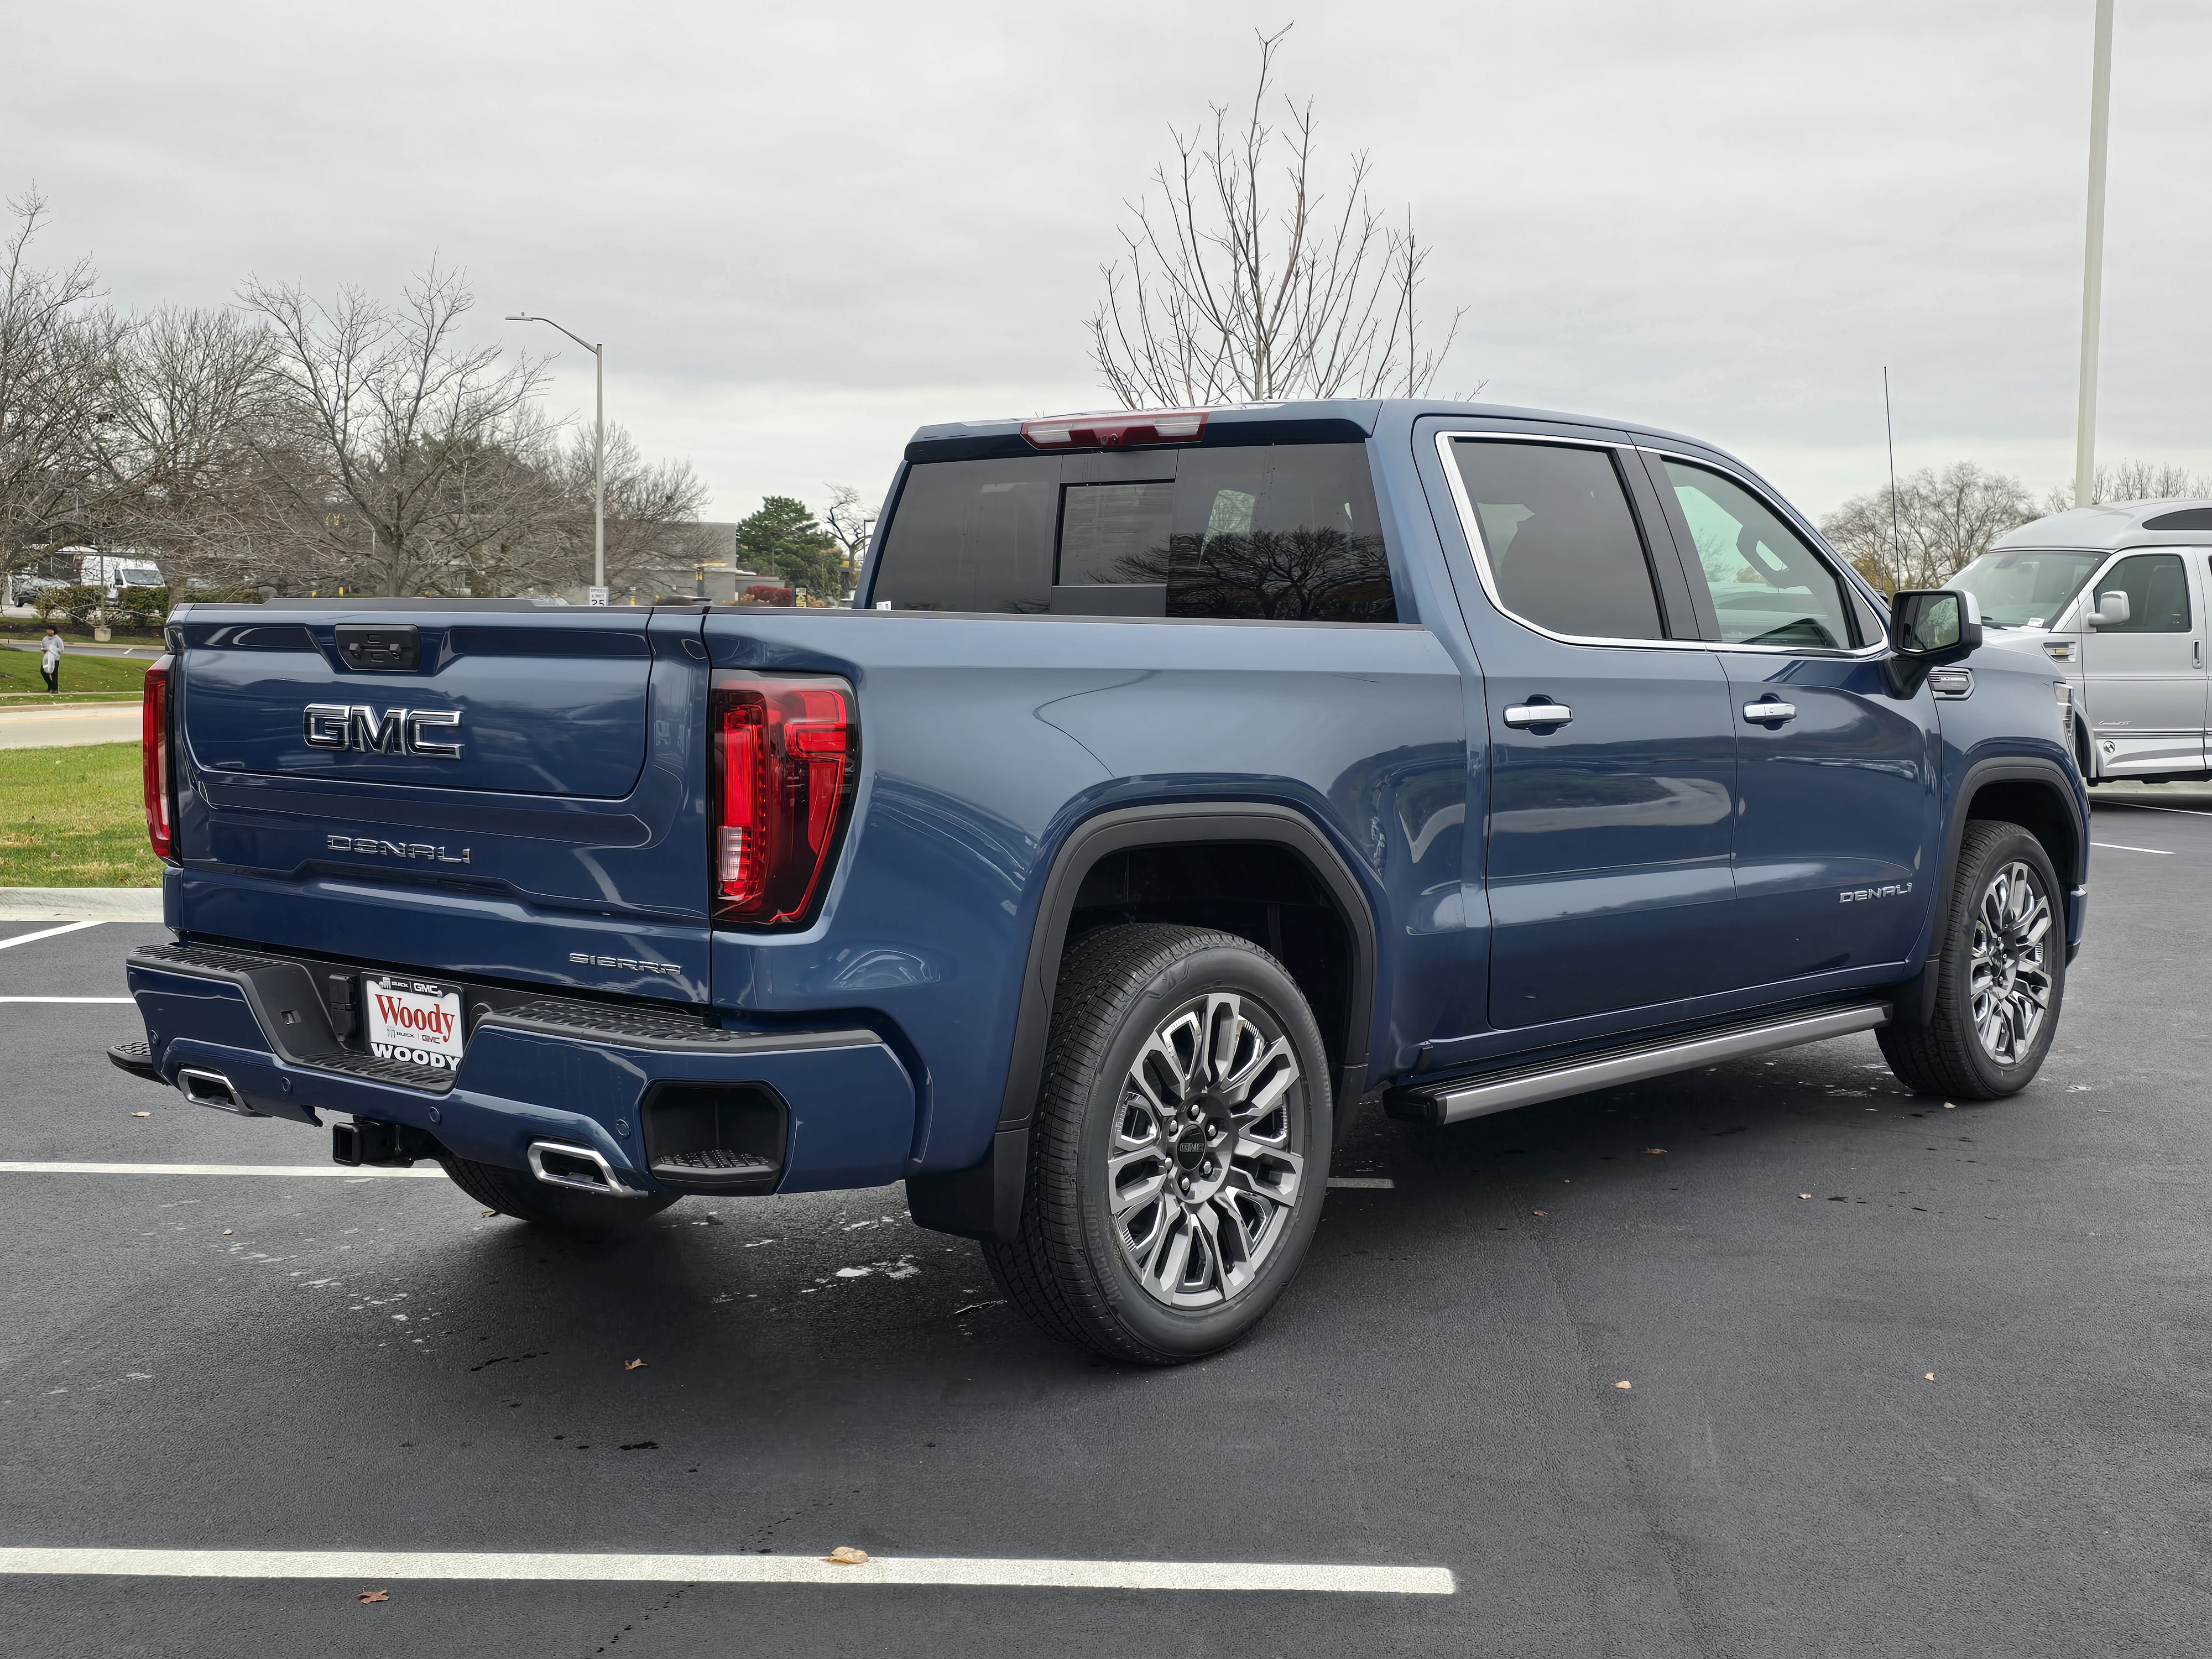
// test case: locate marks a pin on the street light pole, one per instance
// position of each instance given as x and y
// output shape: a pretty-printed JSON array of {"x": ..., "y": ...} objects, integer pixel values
[
  {"x": 599, "y": 451},
  {"x": 2092, "y": 261}
]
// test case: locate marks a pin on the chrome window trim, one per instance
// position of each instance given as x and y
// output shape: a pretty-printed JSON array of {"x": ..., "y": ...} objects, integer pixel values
[
  {"x": 1812, "y": 545},
  {"x": 1471, "y": 527}
]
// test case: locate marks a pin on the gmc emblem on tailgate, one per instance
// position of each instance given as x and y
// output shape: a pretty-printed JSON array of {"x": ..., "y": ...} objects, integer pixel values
[{"x": 399, "y": 732}]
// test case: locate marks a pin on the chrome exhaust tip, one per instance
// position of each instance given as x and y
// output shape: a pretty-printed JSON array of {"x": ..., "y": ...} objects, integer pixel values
[
  {"x": 581, "y": 1169},
  {"x": 205, "y": 1088}
]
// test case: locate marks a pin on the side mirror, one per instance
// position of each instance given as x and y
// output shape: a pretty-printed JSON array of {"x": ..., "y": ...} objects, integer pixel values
[
  {"x": 1928, "y": 627},
  {"x": 2111, "y": 611}
]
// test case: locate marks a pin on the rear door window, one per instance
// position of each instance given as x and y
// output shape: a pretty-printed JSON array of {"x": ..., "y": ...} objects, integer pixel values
[
  {"x": 1562, "y": 545},
  {"x": 1284, "y": 533}
]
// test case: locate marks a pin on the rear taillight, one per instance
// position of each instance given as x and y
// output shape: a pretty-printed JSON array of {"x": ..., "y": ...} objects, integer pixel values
[
  {"x": 1122, "y": 429},
  {"x": 786, "y": 752},
  {"x": 154, "y": 761}
]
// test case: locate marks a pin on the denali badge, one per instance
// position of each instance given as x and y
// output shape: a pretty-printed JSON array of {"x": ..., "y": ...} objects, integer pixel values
[
  {"x": 591, "y": 961},
  {"x": 1861, "y": 895},
  {"x": 393, "y": 849},
  {"x": 400, "y": 731}
]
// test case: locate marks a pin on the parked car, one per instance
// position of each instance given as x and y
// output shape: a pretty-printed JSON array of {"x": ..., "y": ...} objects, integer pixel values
[
  {"x": 2114, "y": 598},
  {"x": 1178, "y": 782}
]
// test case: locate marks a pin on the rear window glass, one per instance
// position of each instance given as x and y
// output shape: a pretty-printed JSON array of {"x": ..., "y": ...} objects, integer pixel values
[{"x": 1284, "y": 532}]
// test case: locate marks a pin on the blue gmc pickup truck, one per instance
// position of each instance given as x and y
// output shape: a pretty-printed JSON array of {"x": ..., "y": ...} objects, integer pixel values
[{"x": 1179, "y": 782}]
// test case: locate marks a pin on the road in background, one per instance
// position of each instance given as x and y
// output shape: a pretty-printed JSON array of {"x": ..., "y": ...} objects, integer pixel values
[
  {"x": 65, "y": 724},
  {"x": 1905, "y": 1378}
]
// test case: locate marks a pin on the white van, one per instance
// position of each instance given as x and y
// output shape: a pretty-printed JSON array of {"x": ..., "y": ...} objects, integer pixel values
[{"x": 2115, "y": 596}]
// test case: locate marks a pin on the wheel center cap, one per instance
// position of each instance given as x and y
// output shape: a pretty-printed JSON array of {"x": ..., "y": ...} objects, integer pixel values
[{"x": 1190, "y": 1149}]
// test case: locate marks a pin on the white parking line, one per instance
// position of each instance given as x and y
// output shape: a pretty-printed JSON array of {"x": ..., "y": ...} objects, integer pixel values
[
  {"x": 26, "y": 939},
  {"x": 2115, "y": 846},
  {"x": 379, "y": 1566},
  {"x": 66, "y": 999},
  {"x": 1383, "y": 1181},
  {"x": 335, "y": 1171},
  {"x": 2146, "y": 806}
]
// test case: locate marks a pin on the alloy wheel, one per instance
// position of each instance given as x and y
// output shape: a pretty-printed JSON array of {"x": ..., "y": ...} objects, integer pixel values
[
  {"x": 2010, "y": 983},
  {"x": 1206, "y": 1166}
]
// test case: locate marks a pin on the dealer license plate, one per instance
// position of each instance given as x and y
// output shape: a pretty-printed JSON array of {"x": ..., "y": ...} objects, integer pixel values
[{"x": 416, "y": 1023}]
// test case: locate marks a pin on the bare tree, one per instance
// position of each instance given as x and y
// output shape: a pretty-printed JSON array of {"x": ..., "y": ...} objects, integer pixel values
[
  {"x": 381, "y": 418},
  {"x": 851, "y": 523},
  {"x": 1944, "y": 521},
  {"x": 2137, "y": 481},
  {"x": 52, "y": 342},
  {"x": 651, "y": 509},
  {"x": 182, "y": 390},
  {"x": 1245, "y": 285}
]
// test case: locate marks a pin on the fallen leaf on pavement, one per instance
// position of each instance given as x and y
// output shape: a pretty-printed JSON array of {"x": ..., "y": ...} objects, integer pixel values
[
  {"x": 488, "y": 1214},
  {"x": 1654, "y": 1151},
  {"x": 633, "y": 1364},
  {"x": 846, "y": 1556},
  {"x": 142, "y": 1115},
  {"x": 1624, "y": 1385},
  {"x": 1804, "y": 1195},
  {"x": 1948, "y": 1107},
  {"x": 226, "y": 1233},
  {"x": 1931, "y": 1376},
  {"x": 373, "y": 1595},
  {"x": 1539, "y": 1212}
]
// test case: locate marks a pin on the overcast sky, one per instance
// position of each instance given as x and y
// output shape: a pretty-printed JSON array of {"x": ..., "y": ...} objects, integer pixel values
[{"x": 804, "y": 231}]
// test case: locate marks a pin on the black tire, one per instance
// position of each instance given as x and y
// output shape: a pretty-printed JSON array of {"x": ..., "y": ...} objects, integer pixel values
[
  {"x": 1950, "y": 1055},
  {"x": 1070, "y": 1267},
  {"x": 580, "y": 1215}
]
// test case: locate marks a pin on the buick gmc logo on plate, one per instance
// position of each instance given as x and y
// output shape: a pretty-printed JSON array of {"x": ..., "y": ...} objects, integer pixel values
[
  {"x": 416, "y": 1023},
  {"x": 397, "y": 732}
]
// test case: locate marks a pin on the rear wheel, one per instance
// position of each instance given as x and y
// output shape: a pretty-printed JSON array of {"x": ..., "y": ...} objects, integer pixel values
[
  {"x": 522, "y": 1195},
  {"x": 1179, "y": 1150},
  {"x": 2002, "y": 978}
]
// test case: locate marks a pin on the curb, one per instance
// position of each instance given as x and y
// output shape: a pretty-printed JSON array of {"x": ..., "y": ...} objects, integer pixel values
[{"x": 80, "y": 904}]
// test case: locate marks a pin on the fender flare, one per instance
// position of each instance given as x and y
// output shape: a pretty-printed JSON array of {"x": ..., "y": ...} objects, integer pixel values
[
  {"x": 1917, "y": 997},
  {"x": 985, "y": 1202}
]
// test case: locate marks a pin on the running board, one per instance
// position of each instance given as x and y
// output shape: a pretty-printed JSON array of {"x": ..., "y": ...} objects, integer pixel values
[{"x": 1501, "y": 1092}]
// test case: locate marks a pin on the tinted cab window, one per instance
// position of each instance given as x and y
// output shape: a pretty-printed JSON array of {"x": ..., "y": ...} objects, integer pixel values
[
  {"x": 1280, "y": 532},
  {"x": 1558, "y": 538}
]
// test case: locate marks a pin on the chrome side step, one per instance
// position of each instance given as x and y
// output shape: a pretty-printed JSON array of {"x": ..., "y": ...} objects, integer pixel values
[{"x": 1451, "y": 1103}]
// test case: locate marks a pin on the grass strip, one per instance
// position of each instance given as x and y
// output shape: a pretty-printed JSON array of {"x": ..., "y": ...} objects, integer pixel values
[
  {"x": 73, "y": 818},
  {"x": 83, "y": 673}
]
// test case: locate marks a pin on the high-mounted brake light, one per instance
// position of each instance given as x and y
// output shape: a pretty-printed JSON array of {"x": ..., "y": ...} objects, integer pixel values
[
  {"x": 785, "y": 754},
  {"x": 154, "y": 761},
  {"x": 1118, "y": 429}
]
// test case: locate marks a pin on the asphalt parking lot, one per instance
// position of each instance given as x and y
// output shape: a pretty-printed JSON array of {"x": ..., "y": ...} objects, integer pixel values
[{"x": 1905, "y": 1377}]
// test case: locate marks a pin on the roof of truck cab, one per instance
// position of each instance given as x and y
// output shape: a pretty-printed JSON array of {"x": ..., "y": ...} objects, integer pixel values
[
  {"x": 2109, "y": 525},
  {"x": 1355, "y": 417}
]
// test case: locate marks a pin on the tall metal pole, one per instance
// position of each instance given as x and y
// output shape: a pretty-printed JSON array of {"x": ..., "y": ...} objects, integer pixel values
[
  {"x": 598, "y": 453},
  {"x": 599, "y": 470},
  {"x": 2092, "y": 262}
]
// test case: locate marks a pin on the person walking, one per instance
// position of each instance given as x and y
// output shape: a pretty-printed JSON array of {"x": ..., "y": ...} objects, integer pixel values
[{"x": 50, "y": 660}]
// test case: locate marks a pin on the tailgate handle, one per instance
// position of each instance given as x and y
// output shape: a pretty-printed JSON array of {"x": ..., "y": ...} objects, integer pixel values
[{"x": 380, "y": 647}]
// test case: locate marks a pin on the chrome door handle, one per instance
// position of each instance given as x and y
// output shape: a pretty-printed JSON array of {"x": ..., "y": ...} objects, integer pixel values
[
  {"x": 1538, "y": 714},
  {"x": 1777, "y": 712}
]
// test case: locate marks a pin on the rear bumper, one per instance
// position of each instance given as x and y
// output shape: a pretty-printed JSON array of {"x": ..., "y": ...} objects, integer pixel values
[{"x": 543, "y": 1069}]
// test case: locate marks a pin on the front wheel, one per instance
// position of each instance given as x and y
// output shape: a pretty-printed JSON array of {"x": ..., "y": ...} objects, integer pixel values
[
  {"x": 1180, "y": 1151},
  {"x": 2002, "y": 976}
]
